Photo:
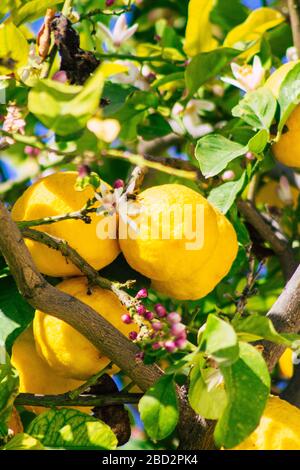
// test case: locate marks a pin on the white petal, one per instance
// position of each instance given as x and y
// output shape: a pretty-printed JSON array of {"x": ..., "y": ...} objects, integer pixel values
[
  {"x": 128, "y": 33},
  {"x": 233, "y": 82},
  {"x": 105, "y": 32},
  {"x": 120, "y": 27}
]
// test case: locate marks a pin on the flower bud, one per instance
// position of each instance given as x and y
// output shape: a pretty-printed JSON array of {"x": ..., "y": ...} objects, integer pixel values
[
  {"x": 119, "y": 184},
  {"x": 149, "y": 315},
  {"x": 180, "y": 343},
  {"x": 60, "y": 76},
  {"x": 170, "y": 346},
  {"x": 157, "y": 326},
  {"x": 126, "y": 319},
  {"x": 156, "y": 346},
  {"x": 160, "y": 310},
  {"x": 177, "y": 329},
  {"x": 133, "y": 335},
  {"x": 142, "y": 294},
  {"x": 141, "y": 310},
  {"x": 174, "y": 317}
]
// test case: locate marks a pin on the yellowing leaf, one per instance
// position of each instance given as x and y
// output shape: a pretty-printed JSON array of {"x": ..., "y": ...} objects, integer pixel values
[
  {"x": 14, "y": 49},
  {"x": 112, "y": 68},
  {"x": 257, "y": 23},
  {"x": 198, "y": 36}
]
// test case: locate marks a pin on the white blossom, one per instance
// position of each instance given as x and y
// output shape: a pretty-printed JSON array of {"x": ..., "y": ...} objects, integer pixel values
[
  {"x": 188, "y": 120},
  {"x": 120, "y": 32},
  {"x": 247, "y": 77}
]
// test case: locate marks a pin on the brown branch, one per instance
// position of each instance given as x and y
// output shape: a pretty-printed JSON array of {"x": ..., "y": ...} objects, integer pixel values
[
  {"x": 30, "y": 399},
  {"x": 90, "y": 272},
  {"x": 285, "y": 316},
  {"x": 294, "y": 11},
  {"x": 280, "y": 247},
  {"x": 42, "y": 295}
]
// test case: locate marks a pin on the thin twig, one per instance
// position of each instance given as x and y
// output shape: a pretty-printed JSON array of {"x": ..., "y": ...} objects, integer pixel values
[
  {"x": 73, "y": 394},
  {"x": 30, "y": 399},
  {"x": 91, "y": 273},
  {"x": 294, "y": 11}
]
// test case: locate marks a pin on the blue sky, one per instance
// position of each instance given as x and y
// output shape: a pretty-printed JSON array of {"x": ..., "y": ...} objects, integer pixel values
[{"x": 253, "y": 3}]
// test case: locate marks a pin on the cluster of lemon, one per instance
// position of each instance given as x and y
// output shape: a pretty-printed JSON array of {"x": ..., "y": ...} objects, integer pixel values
[{"x": 53, "y": 357}]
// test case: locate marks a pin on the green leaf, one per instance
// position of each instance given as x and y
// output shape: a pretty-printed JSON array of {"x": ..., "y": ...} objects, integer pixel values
[
  {"x": 219, "y": 340},
  {"x": 228, "y": 14},
  {"x": 91, "y": 179},
  {"x": 32, "y": 10},
  {"x": 159, "y": 408},
  {"x": 214, "y": 152},
  {"x": 15, "y": 313},
  {"x": 207, "y": 65},
  {"x": 258, "y": 108},
  {"x": 259, "y": 141},
  {"x": 65, "y": 108},
  {"x": 289, "y": 95},
  {"x": 9, "y": 384},
  {"x": 223, "y": 196},
  {"x": 256, "y": 327},
  {"x": 206, "y": 398},
  {"x": 247, "y": 384},
  {"x": 73, "y": 430},
  {"x": 154, "y": 126},
  {"x": 23, "y": 442}
]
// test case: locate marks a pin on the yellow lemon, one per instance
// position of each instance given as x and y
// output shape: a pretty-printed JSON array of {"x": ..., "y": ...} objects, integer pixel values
[
  {"x": 65, "y": 350},
  {"x": 268, "y": 194},
  {"x": 172, "y": 234},
  {"x": 279, "y": 428},
  {"x": 214, "y": 270},
  {"x": 287, "y": 149},
  {"x": 286, "y": 365},
  {"x": 56, "y": 195},
  {"x": 198, "y": 36},
  {"x": 35, "y": 375}
]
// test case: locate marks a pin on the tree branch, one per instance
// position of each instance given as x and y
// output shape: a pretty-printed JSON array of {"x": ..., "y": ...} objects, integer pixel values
[
  {"x": 42, "y": 295},
  {"x": 285, "y": 316},
  {"x": 30, "y": 399},
  {"x": 280, "y": 247},
  {"x": 294, "y": 10}
]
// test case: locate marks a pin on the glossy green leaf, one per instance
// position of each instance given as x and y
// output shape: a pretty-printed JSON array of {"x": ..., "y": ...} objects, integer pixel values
[
  {"x": 289, "y": 95},
  {"x": 73, "y": 430},
  {"x": 224, "y": 196},
  {"x": 159, "y": 408},
  {"x": 23, "y": 442},
  {"x": 257, "y": 108},
  {"x": 247, "y": 384},
  {"x": 219, "y": 340},
  {"x": 65, "y": 108},
  {"x": 207, "y": 65},
  {"x": 259, "y": 141},
  {"x": 256, "y": 327},
  {"x": 214, "y": 152},
  {"x": 9, "y": 384},
  {"x": 32, "y": 10},
  {"x": 207, "y": 396}
]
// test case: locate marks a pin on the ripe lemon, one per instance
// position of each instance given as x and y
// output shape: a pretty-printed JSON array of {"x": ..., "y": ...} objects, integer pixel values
[
  {"x": 35, "y": 375},
  {"x": 215, "y": 269},
  {"x": 171, "y": 219},
  {"x": 66, "y": 351},
  {"x": 268, "y": 194},
  {"x": 279, "y": 428},
  {"x": 287, "y": 149},
  {"x": 286, "y": 365},
  {"x": 56, "y": 195}
]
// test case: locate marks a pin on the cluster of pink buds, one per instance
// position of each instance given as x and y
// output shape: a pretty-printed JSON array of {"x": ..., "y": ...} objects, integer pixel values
[{"x": 159, "y": 329}]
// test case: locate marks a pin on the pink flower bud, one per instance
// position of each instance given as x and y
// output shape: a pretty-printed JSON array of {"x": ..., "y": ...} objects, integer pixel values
[
  {"x": 141, "y": 310},
  {"x": 174, "y": 317},
  {"x": 228, "y": 175},
  {"x": 177, "y": 329},
  {"x": 149, "y": 315},
  {"x": 160, "y": 310},
  {"x": 157, "y": 326},
  {"x": 109, "y": 3},
  {"x": 133, "y": 335},
  {"x": 180, "y": 343},
  {"x": 142, "y": 294},
  {"x": 284, "y": 191},
  {"x": 83, "y": 170},
  {"x": 119, "y": 184},
  {"x": 170, "y": 346},
  {"x": 31, "y": 151},
  {"x": 126, "y": 319},
  {"x": 156, "y": 346},
  {"x": 250, "y": 156},
  {"x": 60, "y": 76}
]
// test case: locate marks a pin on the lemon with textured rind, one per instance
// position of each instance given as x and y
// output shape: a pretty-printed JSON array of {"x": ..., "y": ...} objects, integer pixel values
[
  {"x": 175, "y": 233},
  {"x": 56, "y": 195},
  {"x": 65, "y": 350},
  {"x": 215, "y": 269},
  {"x": 268, "y": 194},
  {"x": 286, "y": 365},
  {"x": 287, "y": 149},
  {"x": 35, "y": 374},
  {"x": 279, "y": 428}
]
